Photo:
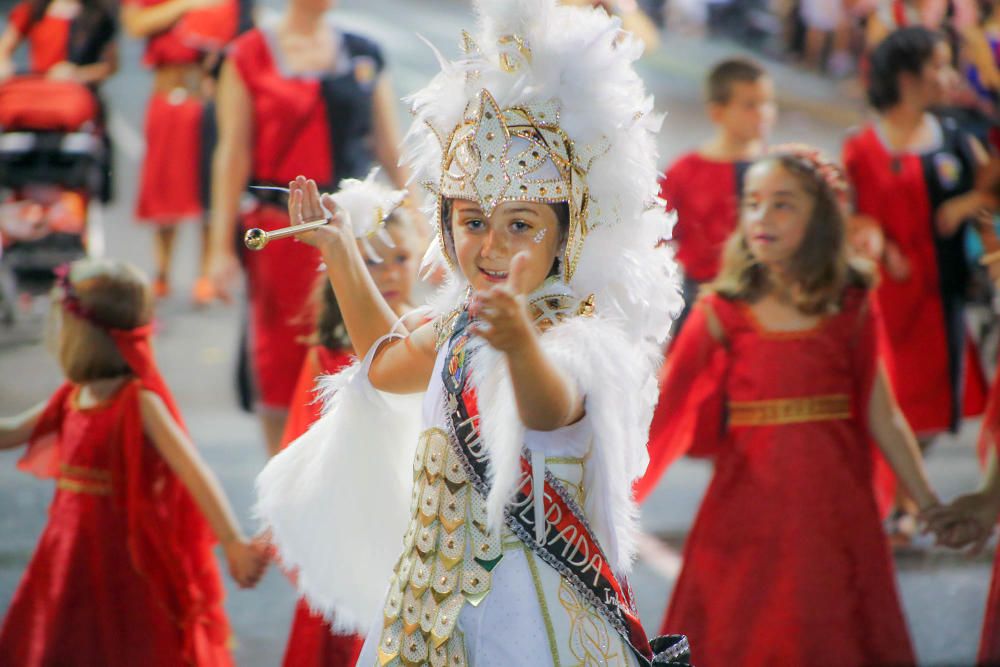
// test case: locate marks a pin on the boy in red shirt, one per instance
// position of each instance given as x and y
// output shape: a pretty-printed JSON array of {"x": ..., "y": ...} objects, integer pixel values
[{"x": 704, "y": 186}]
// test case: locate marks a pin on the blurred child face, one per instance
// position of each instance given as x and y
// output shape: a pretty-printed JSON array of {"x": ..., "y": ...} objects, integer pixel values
[
  {"x": 750, "y": 112},
  {"x": 485, "y": 245},
  {"x": 396, "y": 274},
  {"x": 938, "y": 77},
  {"x": 776, "y": 213}
]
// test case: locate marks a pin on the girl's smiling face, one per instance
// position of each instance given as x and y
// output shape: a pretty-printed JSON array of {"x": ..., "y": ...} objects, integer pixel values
[
  {"x": 485, "y": 246},
  {"x": 776, "y": 213}
]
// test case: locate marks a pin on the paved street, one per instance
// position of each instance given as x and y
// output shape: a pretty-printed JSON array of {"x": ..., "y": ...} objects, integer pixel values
[{"x": 944, "y": 594}]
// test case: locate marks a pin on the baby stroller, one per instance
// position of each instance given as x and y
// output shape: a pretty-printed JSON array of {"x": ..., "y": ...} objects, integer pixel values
[{"x": 53, "y": 170}]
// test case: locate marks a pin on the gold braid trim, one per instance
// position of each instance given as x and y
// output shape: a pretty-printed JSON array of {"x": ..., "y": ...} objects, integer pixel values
[{"x": 831, "y": 407}]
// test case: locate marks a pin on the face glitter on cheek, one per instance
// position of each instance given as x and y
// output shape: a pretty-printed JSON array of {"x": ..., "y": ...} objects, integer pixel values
[{"x": 539, "y": 236}]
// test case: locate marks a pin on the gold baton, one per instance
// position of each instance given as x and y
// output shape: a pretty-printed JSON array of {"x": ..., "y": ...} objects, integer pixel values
[{"x": 256, "y": 239}]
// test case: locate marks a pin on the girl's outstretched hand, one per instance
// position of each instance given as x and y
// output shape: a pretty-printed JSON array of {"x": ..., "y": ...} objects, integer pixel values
[
  {"x": 502, "y": 311},
  {"x": 965, "y": 522},
  {"x": 247, "y": 561}
]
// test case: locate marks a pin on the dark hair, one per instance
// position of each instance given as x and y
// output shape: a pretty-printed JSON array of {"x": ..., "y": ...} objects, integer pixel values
[
  {"x": 719, "y": 83},
  {"x": 906, "y": 50},
  {"x": 821, "y": 267}
]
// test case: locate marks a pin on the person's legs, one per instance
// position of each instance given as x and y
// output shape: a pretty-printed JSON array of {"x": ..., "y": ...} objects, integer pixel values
[
  {"x": 272, "y": 423},
  {"x": 164, "y": 240}
]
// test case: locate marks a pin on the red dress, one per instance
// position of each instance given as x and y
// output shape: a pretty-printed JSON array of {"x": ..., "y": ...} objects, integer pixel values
[
  {"x": 311, "y": 642},
  {"x": 318, "y": 125},
  {"x": 706, "y": 195},
  {"x": 103, "y": 587},
  {"x": 935, "y": 370},
  {"x": 170, "y": 179},
  {"x": 48, "y": 37},
  {"x": 786, "y": 563}
]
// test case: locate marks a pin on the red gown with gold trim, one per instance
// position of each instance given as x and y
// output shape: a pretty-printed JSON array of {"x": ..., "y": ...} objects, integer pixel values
[
  {"x": 120, "y": 576},
  {"x": 311, "y": 642},
  {"x": 786, "y": 563}
]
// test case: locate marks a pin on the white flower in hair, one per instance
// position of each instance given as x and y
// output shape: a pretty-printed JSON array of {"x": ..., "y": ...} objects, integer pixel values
[{"x": 367, "y": 204}]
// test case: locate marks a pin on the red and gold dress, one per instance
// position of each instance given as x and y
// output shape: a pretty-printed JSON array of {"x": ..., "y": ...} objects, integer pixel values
[
  {"x": 786, "y": 563},
  {"x": 311, "y": 642},
  {"x": 123, "y": 573},
  {"x": 317, "y": 124}
]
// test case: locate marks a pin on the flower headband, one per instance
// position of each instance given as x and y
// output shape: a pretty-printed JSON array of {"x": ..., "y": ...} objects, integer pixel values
[
  {"x": 70, "y": 300},
  {"x": 826, "y": 169}
]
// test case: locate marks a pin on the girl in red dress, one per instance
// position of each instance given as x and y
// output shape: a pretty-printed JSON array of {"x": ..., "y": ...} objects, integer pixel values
[
  {"x": 170, "y": 184},
  {"x": 777, "y": 377},
  {"x": 124, "y": 572},
  {"x": 296, "y": 95},
  {"x": 311, "y": 642}
]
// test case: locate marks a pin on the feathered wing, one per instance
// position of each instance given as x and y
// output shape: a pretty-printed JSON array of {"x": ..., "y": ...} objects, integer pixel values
[
  {"x": 606, "y": 365},
  {"x": 337, "y": 499}
]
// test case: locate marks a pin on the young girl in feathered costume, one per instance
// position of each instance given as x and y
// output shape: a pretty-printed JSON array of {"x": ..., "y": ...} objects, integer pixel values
[{"x": 467, "y": 493}]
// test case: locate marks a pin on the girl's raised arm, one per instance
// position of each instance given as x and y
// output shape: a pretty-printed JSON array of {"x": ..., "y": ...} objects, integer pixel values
[
  {"x": 246, "y": 562},
  {"x": 15, "y": 431}
]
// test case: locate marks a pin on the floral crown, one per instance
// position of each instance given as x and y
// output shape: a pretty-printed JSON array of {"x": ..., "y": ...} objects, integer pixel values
[{"x": 825, "y": 169}]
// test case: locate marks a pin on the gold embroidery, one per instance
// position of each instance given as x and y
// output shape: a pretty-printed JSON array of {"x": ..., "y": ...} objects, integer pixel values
[
  {"x": 790, "y": 410},
  {"x": 591, "y": 642},
  {"x": 96, "y": 474},
  {"x": 91, "y": 488}
]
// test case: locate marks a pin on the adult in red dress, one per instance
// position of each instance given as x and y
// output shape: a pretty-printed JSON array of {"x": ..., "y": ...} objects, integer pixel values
[
  {"x": 181, "y": 35},
  {"x": 296, "y": 96}
]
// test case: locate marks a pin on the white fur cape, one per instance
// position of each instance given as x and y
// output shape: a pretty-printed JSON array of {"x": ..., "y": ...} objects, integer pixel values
[{"x": 337, "y": 500}]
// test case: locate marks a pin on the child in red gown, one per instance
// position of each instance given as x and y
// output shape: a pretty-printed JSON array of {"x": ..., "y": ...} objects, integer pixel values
[
  {"x": 924, "y": 161},
  {"x": 312, "y": 642},
  {"x": 703, "y": 186},
  {"x": 124, "y": 572},
  {"x": 776, "y": 375}
]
